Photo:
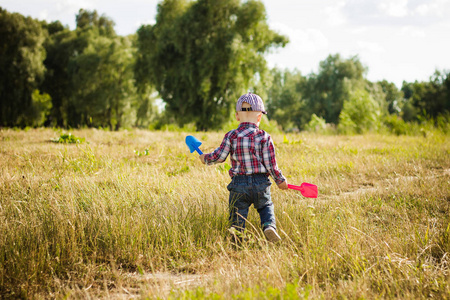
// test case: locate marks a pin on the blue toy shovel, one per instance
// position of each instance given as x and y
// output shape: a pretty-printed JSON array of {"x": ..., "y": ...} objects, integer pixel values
[{"x": 193, "y": 144}]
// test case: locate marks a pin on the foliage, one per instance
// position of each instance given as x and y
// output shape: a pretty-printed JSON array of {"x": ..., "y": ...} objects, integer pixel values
[
  {"x": 427, "y": 99},
  {"x": 326, "y": 91},
  {"x": 285, "y": 98},
  {"x": 316, "y": 124},
  {"x": 61, "y": 46},
  {"x": 293, "y": 99},
  {"x": 396, "y": 125},
  {"x": 90, "y": 76},
  {"x": 103, "y": 80},
  {"x": 139, "y": 153},
  {"x": 201, "y": 56},
  {"x": 21, "y": 61},
  {"x": 68, "y": 138},
  {"x": 394, "y": 96},
  {"x": 90, "y": 20},
  {"x": 361, "y": 113},
  {"x": 147, "y": 111},
  {"x": 41, "y": 106}
]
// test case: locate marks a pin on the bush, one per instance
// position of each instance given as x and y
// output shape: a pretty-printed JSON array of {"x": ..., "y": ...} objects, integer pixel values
[
  {"x": 68, "y": 138},
  {"x": 42, "y": 104},
  {"x": 396, "y": 125},
  {"x": 316, "y": 124},
  {"x": 361, "y": 113}
]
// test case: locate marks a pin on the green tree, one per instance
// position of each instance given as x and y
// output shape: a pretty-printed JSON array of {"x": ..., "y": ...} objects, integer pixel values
[
  {"x": 86, "y": 19},
  {"x": 377, "y": 92},
  {"x": 40, "y": 109},
  {"x": 427, "y": 99},
  {"x": 147, "y": 111},
  {"x": 326, "y": 91},
  {"x": 409, "y": 111},
  {"x": 21, "y": 61},
  {"x": 436, "y": 100},
  {"x": 360, "y": 113},
  {"x": 285, "y": 101},
  {"x": 90, "y": 74},
  {"x": 61, "y": 46},
  {"x": 394, "y": 96},
  {"x": 202, "y": 55},
  {"x": 103, "y": 82}
]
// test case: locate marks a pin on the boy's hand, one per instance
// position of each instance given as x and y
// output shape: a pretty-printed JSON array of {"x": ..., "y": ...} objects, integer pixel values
[
  {"x": 202, "y": 158},
  {"x": 283, "y": 185}
]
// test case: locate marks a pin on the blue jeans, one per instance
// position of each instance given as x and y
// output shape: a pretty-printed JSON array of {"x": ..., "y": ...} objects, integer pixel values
[{"x": 246, "y": 190}]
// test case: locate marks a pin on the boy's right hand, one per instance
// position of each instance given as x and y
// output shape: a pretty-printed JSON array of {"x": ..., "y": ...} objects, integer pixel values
[
  {"x": 283, "y": 185},
  {"x": 202, "y": 158}
]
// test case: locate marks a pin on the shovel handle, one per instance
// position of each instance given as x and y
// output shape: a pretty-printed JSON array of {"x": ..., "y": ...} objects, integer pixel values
[
  {"x": 307, "y": 189},
  {"x": 198, "y": 151},
  {"x": 295, "y": 187}
]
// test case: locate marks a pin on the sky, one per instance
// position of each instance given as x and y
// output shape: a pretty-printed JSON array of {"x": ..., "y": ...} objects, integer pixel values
[{"x": 397, "y": 40}]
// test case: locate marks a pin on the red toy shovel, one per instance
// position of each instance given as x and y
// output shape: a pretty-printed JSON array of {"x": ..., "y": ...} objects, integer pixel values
[{"x": 307, "y": 189}]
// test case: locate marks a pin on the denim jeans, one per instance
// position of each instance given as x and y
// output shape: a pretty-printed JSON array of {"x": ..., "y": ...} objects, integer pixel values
[{"x": 246, "y": 190}]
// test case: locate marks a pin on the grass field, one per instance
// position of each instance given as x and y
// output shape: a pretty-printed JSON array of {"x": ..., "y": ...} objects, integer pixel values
[{"x": 134, "y": 214}]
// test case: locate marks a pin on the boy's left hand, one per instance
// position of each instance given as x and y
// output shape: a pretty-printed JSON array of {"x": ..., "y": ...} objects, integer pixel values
[
  {"x": 283, "y": 185},
  {"x": 202, "y": 158}
]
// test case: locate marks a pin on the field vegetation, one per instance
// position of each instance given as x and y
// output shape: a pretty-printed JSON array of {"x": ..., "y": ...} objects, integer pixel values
[{"x": 133, "y": 214}]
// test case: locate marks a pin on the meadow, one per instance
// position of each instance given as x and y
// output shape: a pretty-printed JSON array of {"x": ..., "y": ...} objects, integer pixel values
[{"x": 133, "y": 214}]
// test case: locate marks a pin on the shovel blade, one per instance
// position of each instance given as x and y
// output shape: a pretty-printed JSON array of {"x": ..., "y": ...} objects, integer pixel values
[
  {"x": 193, "y": 144},
  {"x": 307, "y": 189}
]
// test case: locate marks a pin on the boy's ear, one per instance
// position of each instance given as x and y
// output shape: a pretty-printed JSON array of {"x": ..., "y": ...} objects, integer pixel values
[
  {"x": 237, "y": 116},
  {"x": 259, "y": 117}
]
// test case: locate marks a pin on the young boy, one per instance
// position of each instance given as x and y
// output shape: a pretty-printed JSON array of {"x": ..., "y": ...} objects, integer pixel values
[{"x": 252, "y": 155}]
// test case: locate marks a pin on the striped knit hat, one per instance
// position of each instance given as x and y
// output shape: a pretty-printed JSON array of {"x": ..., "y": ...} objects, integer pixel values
[{"x": 254, "y": 100}]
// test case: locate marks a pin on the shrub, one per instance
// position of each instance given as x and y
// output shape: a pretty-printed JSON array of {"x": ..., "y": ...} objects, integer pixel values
[
  {"x": 361, "y": 113},
  {"x": 68, "y": 138},
  {"x": 396, "y": 125}
]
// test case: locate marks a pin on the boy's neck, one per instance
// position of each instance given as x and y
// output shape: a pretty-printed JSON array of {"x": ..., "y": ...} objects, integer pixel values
[
  {"x": 252, "y": 122},
  {"x": 248, "y": 118}
]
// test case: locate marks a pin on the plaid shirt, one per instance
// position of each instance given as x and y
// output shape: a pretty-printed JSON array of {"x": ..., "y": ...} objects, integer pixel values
[{"x": 251, "y": 149}]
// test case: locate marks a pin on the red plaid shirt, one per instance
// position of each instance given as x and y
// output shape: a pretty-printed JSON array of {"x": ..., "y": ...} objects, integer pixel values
[{"x": 251, "y": 149}]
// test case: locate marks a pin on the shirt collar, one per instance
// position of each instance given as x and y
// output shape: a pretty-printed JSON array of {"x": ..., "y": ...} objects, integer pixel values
[{"x": 245, "y": 125}]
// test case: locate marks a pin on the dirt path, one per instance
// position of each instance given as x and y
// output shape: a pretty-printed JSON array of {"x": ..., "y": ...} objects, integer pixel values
[
  {"x": 371, "y": 188},
  {"x": 155, "y": 285}
]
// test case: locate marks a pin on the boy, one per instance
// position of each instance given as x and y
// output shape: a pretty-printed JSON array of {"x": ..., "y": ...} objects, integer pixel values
[{"x": 253, "y": 159}]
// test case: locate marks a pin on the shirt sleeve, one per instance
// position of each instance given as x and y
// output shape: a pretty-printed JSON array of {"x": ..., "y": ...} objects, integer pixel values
[
  {"x": 270, "y": 161},
  {"x": 220, "y": 154}
]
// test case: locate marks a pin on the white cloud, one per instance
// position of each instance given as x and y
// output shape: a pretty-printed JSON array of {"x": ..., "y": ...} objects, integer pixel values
[
  {"x": 422, "y": 9},
  {"x": 73, "y": 6},
  {"x": 335, "y": 15},
  {"x": 370, "y": 47},
  {"x": 413, "y": 32},
  {"x": 394, "y": 8},
  {"x": 359, "y": 30},
  {"x": 302, "y": 40},
  {"x": 43, "y": 15},
  {"x": 395, "y": 12},
  {"x": 437, "y": 8}
]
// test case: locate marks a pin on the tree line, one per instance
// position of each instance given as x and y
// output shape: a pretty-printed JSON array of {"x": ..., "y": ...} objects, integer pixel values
[
  {"x": 339, "y": 94},
  {"x": 198, "y": 58}
]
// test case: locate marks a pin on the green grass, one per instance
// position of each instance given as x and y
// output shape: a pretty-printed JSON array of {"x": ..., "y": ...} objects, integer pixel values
[{"x": 134, "y": 213}]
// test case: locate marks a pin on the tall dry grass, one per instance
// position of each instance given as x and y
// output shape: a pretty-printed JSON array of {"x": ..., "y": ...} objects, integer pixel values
[{"x": 133, "y": 213}]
